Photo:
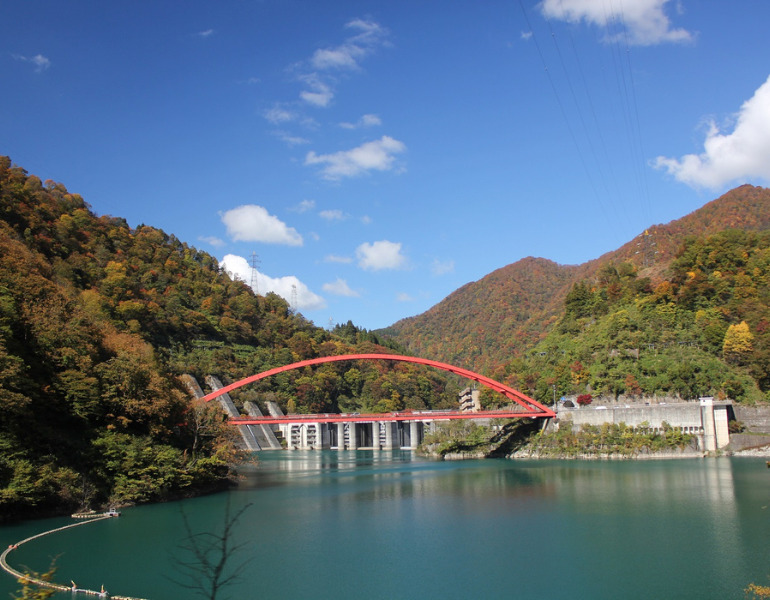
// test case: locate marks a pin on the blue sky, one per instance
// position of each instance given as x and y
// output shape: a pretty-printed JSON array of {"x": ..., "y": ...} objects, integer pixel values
[{"x": 376, "y": 156}]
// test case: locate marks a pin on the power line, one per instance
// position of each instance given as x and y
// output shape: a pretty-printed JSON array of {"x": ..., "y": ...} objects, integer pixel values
[
  {"x": 586, "y": 129},
  {"x": 643, "y": 183},
  {"x": 562, "y": 109},
  {"x": 594, "y": 150},
  {"x": 620, "y": 46}
]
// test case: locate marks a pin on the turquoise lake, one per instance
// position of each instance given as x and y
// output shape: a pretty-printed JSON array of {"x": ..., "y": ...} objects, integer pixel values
[{"x": 389, "y": 525}]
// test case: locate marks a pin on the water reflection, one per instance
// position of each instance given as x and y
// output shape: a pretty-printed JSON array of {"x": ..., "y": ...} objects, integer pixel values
[
  {"x": 387, "y": 475},
  {"x": 346, "y": 524},
  {"x": 608, "y": 486}
]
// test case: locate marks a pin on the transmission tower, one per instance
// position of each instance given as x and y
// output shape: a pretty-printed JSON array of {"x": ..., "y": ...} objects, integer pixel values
[
  {"x": 648, "y": 251},
  {"x": 293, "y": 298},
  {"x": 254, "y": 264}
]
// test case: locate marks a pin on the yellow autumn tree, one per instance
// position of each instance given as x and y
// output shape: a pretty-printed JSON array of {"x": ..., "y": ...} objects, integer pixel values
[{"x": 738, "y": 343}]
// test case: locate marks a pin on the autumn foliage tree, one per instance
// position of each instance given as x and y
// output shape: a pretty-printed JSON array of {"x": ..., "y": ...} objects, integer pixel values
[
  {"x": 738, "y": 343},
  {"x": 584, "y": 399}
]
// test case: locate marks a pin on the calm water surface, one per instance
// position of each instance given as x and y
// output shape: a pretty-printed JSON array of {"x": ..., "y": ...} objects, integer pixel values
[{"x": 388, "y": 525}]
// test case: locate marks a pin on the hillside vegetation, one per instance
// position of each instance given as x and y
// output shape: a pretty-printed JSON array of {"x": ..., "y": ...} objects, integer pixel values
[
  {"x": 704, "y": 330},
  {"x": 661, "y": 315},
  {"x": 98, "y": 320}
]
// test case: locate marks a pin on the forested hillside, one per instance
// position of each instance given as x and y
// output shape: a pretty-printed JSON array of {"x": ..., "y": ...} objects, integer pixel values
[
  {"x": 704, "y": 330},
  {"x": 488, "y": 323},
  {"x": 98, "y": 320},
  {"x": 484, "y": 322}
]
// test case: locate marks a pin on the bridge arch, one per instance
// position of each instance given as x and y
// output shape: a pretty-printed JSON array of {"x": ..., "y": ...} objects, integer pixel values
[{"x": 514, "y": 395}]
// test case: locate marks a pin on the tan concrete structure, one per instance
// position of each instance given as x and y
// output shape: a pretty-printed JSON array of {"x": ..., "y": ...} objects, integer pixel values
[{"x": 707, "y": 418}]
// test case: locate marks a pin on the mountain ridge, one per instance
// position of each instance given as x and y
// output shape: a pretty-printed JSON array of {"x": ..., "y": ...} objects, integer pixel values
[{"x": 458, "y": 329}]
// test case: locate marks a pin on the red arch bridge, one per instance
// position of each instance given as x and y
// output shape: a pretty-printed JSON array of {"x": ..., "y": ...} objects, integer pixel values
[{"x": 355, "y": 430}]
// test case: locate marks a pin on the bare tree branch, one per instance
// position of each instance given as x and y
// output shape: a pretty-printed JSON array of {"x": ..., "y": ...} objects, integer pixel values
[{"x": 204, "y": 560}]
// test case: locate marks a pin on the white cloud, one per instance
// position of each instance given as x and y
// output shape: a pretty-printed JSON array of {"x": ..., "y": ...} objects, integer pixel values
[
  {"x": 726, "y": 157},
  {"x": 332, "y": 215},
  {"x": 252, "y": 223},
  {"x": 378, "y": 155},
  {"x": 370, "y": 121},
  {"x": 366, "y": 220},
  {"x": 212, "y": 240},
  {"x": 340, "y": 287},
  {"x": 40, "y": 62},
  {"x": 381, "y": 255},
  {"x": 364, "y": 121},
  {"x": 342, "y": 57},
  {"x": 278, "y": 114},
  {"x": 286, "y": 287},
  {"x": 335, "y": 258},
  {"x": 291, "y": 140},
  {"x": 347, "y": 55},
  {"x": 206, "y": 33},
  {"x": 304, "y": 206},
  {"x": 370, "y": 33},
  {"x": 404, "y": 297},
  {"x": 320, "y": 93},
  {"x": 368, "y": 37},
  {"x": 640, "y": 22},
  {"x": 439, "y": 267}
]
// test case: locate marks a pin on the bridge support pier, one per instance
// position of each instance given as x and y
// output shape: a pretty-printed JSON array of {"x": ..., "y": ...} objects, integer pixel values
[
  {"x": 375, "y": 435},
  {"x": 414, "y": 434},
  {"x": 307, "y": 436},
  {"x": 388, "y": 435},
  {"x": 353, "y": 436},
  {"x": 340, "y": 436},
  {"x": 324, "y": 436}
]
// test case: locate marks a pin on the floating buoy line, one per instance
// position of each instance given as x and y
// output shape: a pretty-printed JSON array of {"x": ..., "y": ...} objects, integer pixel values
[{"x": 86, "y": 518}]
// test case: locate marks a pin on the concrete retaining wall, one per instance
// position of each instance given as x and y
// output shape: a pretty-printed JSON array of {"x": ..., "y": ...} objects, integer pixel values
[
  {"x": 742, "y": 441},
  {"x": 756, "y": 419},
  {"x": 686, "y": 415},
  {"x": 706, "y": 419}
]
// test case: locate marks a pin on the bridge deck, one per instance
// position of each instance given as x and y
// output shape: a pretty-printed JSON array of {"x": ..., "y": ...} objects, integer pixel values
[{"x": 434, "y": 415}]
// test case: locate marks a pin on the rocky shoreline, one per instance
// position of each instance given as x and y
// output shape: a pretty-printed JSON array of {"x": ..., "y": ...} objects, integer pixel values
[{"x": 527, "y": 453}]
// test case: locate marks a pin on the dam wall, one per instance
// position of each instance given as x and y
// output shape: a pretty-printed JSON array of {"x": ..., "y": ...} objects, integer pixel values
[{"x": 706, "y": 418}]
